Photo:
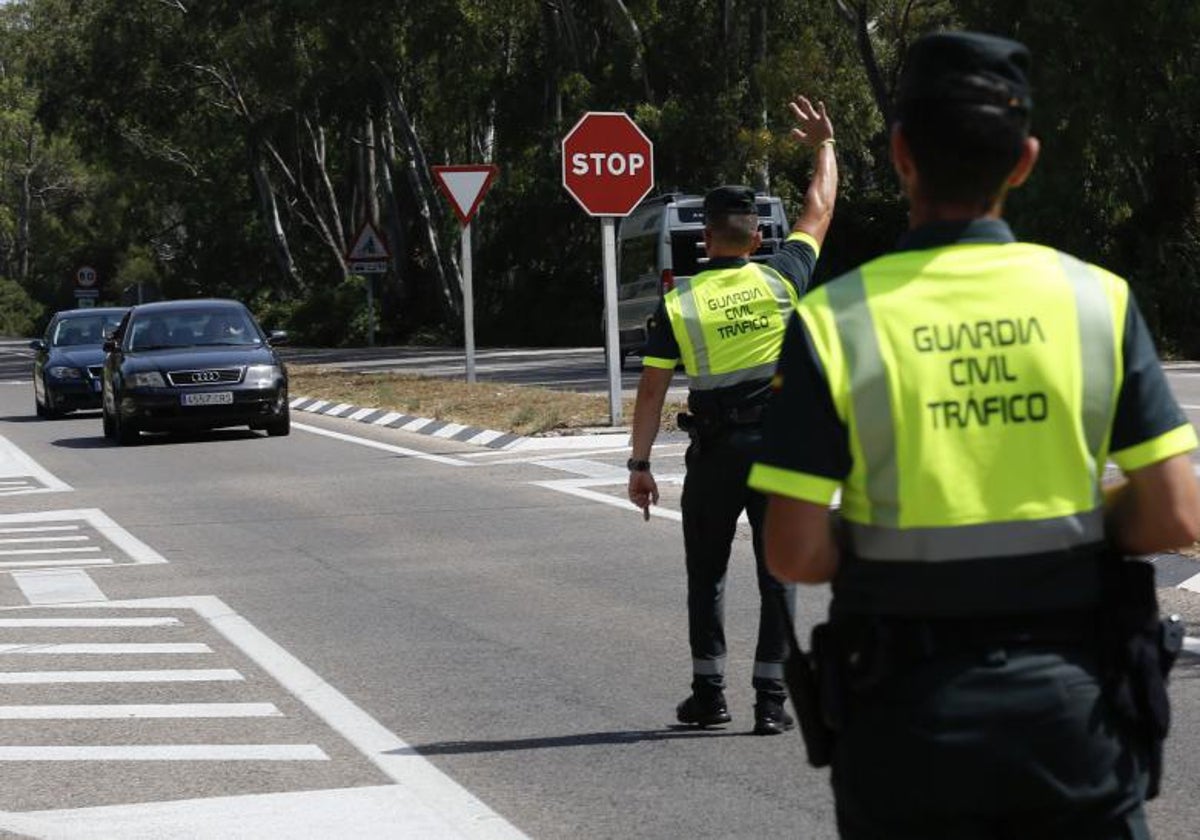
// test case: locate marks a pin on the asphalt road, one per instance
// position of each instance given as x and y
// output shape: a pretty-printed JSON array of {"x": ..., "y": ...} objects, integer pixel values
[{"x": 361, "y": 632}]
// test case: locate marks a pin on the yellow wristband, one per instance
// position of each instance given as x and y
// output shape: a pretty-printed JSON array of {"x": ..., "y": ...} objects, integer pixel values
[{"x": 828, "y": 141}]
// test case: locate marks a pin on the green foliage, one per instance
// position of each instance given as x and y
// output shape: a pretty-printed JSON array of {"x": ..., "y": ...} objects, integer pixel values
[
  {"x": 233, "y": 147},
  {"x": 19, "y": 313}
]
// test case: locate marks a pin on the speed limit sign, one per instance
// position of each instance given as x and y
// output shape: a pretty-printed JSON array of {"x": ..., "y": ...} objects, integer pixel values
[{"x": 85, "y": 277}]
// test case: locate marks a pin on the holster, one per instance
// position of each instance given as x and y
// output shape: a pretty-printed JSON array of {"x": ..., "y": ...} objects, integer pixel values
[
  {"x": 802, "y": 677},
  {"x": 1139, "y": 648}
]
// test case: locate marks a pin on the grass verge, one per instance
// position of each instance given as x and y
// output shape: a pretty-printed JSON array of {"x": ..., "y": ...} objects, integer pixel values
[{"x": 500, "y": 406}]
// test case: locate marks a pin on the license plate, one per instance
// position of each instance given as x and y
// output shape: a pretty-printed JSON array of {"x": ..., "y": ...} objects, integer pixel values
[{"x": 208, "y": 398}]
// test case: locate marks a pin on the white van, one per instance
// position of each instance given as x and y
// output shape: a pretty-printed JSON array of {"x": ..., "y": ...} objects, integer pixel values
[{"x": 662, "y": 241}]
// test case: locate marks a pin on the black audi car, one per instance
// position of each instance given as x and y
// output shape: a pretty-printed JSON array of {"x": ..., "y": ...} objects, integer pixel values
[
  {"x": 69, "y": 358},
  {"x": 192, "y": 364}
]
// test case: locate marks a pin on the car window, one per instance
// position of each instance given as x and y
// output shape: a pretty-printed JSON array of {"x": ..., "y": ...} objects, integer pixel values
[
  {"x": 194, "y": 328},
  {"x": 72, "y": 332}
]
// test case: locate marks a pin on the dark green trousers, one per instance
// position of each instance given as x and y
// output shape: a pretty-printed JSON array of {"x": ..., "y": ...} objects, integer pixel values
[{"x": 1013, "y": 743}]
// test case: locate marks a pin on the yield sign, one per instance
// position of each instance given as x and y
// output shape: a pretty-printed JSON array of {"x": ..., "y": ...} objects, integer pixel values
[
  {"x": 368, "y": 246},
  {"x": 465, "y": 187}
]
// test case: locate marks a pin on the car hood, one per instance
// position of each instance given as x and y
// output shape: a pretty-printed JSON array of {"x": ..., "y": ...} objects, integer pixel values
[
  {"x": 194, "y": 358},
  {"x": 80, "y": 356}
]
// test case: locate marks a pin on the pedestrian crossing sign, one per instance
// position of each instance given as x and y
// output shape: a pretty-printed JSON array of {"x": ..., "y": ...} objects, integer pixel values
[{"x": 368, "y": 246}]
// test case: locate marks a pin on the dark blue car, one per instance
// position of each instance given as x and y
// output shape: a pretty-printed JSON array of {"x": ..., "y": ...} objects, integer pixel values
[
  {"x": 183, "y": 365},
  {"x": 69, "y": 359}
]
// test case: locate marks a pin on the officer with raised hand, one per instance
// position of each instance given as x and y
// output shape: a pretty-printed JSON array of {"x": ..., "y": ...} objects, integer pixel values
[
  {"x": 965, "y": 393},
  {"x": 726, "y": 325}
]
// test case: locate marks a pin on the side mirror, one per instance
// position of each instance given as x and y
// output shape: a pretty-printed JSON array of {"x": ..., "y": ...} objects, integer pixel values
[
  {"x": 37, "y": 344},
  {"x": 277, "y": 337},
  {"x": 109, "y": 345}
]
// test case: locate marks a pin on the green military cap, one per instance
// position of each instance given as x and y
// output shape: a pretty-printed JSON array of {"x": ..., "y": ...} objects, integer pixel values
[
  {"x": 966, "y": 69},
  {"x": 729, "y": 201}
]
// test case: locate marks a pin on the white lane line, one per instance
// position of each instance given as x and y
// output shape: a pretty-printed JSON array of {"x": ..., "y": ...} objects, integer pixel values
[
  {"x": 91, "y": 549},
  {"x": 169, "y": 676},
  {"x": 580, "y": 487},
  {"x": 1191, "y": 645},
  {"x": 385, "y": 447},
  {"x": 151, "y": 711},
  {"x": 167, "y": 752},
  {"x": 39, "y": 529},
  {"x": 424, "y": 795},
  {"x": 11, "y": 540},
  {"x": 57, "y": 586},
  {"x": 383, "y": 811},
  {"x": 163, "y": 621},
  {"x": 105, "y": 648},
  {"x": 80, "y": 561},
  {"x": 14, "y": 462},
  {"x": 1192, "y": 583},
  {"x": 661, "y": 453}
]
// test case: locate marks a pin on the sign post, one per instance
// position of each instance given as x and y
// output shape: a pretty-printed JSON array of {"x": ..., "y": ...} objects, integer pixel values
[
  {"x": 608, "y": 168},
  {"x": 368, "y": 256},
  {"x": 465, "y": 187},
  {"x": 86, "y": 290}
]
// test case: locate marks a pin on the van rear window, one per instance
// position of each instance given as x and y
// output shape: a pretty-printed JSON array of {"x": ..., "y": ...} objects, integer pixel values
[
  {"x": 695, "y": 215},
  {"x": 687, "y": 248}
]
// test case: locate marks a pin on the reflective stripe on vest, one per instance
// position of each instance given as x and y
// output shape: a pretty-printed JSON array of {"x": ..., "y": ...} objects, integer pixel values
[
  {"x": 695, "y": 350},
  {"x": 881, "y": 538}
]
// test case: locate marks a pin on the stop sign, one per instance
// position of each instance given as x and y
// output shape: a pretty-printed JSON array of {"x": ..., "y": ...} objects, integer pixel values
[{"x": 607, "y": 163}]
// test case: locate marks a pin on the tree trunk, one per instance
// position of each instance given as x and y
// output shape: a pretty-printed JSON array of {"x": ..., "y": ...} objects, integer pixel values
[
  {"x": 429, "y": 211},
  {"x": 859, "y": 18}
]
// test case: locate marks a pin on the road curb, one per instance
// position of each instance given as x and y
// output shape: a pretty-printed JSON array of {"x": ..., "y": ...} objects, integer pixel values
[{"x": 408, "y": 422}]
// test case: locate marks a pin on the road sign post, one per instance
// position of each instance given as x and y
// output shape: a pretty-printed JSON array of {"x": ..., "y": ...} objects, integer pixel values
[
  {"x": 465, "y": 187},
  {"x": 368, "y": 256},
  {"x": 608, "y": 168}
]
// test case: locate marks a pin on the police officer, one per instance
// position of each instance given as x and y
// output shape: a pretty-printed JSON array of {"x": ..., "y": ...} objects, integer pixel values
[
  {"x": 965, "y": 393},
  {"x": 726, "y": 325}
]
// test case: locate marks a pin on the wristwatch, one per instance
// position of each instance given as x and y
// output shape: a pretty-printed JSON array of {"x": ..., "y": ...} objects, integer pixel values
[{"x": 636, "y": 465}]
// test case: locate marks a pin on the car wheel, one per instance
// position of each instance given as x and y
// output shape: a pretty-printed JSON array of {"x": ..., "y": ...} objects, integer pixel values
[
  {"x": 110, "y": 431},
  {"x": 39, "y": 408},
  {"x": 281, "y": 427}
]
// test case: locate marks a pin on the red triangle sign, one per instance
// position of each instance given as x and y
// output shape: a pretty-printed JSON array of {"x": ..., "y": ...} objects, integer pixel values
[
  {"x": 465, "y": 186},
  {"x": 368, "y": 246}
]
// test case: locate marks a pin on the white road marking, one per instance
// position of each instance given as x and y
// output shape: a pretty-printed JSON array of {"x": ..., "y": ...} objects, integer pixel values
[
  {"x": 338, "y": 410},
  {"x": 385, "y": 447},
  {"x": 57, "y": 586},
  {"x": 15, "y": 463},
  {"x": 151, "y": 621},
  {"x": 587, "y": 469},
  {"x": 360, "y": 414},
  {"x": 168, "y": 676},
  {"x": 167, "y": 752},
  {"x": 84, "y": 549},
  {"x": 449, "y": 430},
  {"x": 79, "y": 561},
  {"x": 580, "y": 487},
  {"x": 390, "y": 417},
  {"x": 417, "y": 424},
  {"x": 39, "y": 530},
  {"x": 317, "y": 406},
  {"x": 661, "y": 453},
  {"x": 424, "y": 802},
  {"x": 484, "y": 438},
  {"x": 134, "y": 549},
  {"x": 1191, "y": 645},
  {"x": 105, "y": 648},
  {"x": 1192, "y": 583},
  {"x": 151, "y": 711},
  {"x": 9, "y": 540}
]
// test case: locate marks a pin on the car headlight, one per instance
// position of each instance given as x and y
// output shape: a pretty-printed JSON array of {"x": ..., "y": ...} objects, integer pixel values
[
  {"x": 148, "y": 379},
  {"x": 62, "y": 372},
  {"x": 262, "y": 376}
]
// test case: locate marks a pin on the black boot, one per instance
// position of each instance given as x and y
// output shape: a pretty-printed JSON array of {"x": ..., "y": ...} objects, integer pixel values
[
  {"x": 703, "y": 709},
  {"x": 770, "y": 718}
]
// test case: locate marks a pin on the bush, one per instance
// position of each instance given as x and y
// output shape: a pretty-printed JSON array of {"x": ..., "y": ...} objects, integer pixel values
[{"x": 19, "y": 313}]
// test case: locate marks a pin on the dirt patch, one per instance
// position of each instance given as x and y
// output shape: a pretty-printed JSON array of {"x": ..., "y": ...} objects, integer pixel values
[{"x": 519, "y": 409}]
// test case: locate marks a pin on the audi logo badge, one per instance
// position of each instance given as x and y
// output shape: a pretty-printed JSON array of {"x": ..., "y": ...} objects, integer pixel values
[{"x": 205, "y": 376}]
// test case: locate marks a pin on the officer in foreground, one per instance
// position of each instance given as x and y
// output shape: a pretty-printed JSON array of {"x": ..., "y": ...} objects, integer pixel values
[
  {"x": 726, "y": 324},
  {"x": 964, "y": 393}
]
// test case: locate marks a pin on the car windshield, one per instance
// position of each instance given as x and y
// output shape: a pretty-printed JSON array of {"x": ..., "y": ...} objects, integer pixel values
[
  {"x": 91, "y": 329},
  {"x": 193, "y": 328}
]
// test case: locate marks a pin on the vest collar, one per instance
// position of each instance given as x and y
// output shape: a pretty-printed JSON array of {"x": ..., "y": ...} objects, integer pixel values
[
  {"x": 717, "y": 263},
  {"x": 973, "y": 232}
]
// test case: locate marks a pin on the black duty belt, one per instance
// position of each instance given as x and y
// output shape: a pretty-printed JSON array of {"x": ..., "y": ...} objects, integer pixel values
[
  {"x": 929, "y": 637},
  {"x": 722, "y": 418}
]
